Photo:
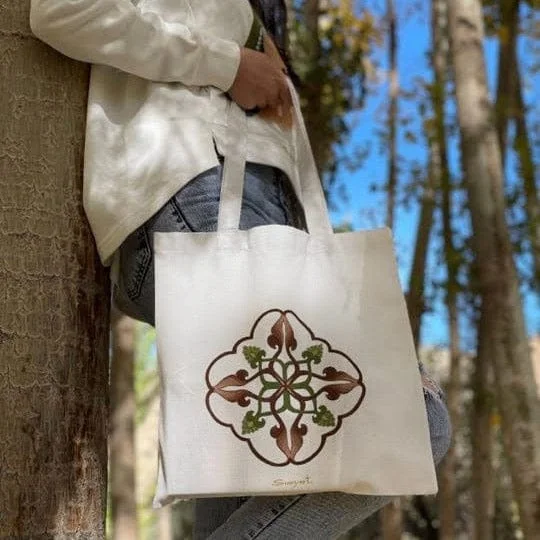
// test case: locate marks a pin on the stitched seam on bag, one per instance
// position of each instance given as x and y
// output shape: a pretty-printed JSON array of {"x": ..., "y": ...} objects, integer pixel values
[
  {"x": 323, "y": 249},
  {"x": 283, "y": 510}
]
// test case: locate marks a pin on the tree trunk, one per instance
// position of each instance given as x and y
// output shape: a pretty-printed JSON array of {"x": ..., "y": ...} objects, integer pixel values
[
  {"x": 165, "y": 524},
  {"x": 392, "y": 520},
  {"x": 417, "y": 280},
  {"x": 392, "y": 113},
  {"x": 392, "y": 515},
  {"x": 509, "y": 13},
  {"x": 501, "y": 315},
  {"x": 312, "y": 89},
  {"x": 523, "y": 150},
  {"x": 122, "y": 434},
  {"x": 54, "y": 320},
  {"x": 447, "y": 476},
  {"x": 182, "y": 518},
  {"x": 447, "y": 496},
  {"x": 290, "y": 21},
  {"x": 483, "y": 487}
]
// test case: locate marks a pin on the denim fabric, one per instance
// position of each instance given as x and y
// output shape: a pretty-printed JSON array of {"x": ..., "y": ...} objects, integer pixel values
[{"x": 268, "y": 198}]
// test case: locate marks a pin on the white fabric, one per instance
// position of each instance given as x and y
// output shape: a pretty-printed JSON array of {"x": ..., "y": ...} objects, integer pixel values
[
  {"x": 227, "y": 305},
  {"x": 156, "y": 100}
]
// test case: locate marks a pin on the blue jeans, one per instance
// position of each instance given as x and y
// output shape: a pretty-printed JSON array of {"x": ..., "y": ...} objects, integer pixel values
[{"x": 268, "y": 198}]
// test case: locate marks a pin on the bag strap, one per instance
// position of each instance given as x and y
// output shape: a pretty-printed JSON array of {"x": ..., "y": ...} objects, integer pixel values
[
  {"x": 312, "y": 194},
  {"x": 234, "y": 166}
]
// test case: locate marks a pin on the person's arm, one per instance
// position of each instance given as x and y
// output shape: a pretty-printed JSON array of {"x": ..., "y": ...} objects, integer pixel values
[{"x": 118, "y": 34}]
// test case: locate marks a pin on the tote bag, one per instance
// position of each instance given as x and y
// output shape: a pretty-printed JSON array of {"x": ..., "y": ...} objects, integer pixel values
[{"x": 286, "y": 358}]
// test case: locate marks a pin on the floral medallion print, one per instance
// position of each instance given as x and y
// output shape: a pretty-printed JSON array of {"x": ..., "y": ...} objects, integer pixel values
[{"x": 283, "y": 390}]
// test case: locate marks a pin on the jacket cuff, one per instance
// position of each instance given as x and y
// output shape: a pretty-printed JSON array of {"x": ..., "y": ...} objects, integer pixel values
[
  {"x": 222, "y": 62},
  {"x": 227, "y": 55}
]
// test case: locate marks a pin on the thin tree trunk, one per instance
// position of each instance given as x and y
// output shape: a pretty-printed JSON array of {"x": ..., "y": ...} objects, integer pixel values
[
  {"x": 505, "y": 340},
  {"x": 165, "y": 524},
  {"x": 509, "y": 105},
  {"x": 182, "y": 517},
  {"x": 509, "y": 12},
  {"x": 417, "y": 280},
  {"x": 392, "y": 515},
  {"x": 54, "y": 320},
  {"x": 392, "y": 113},
  {"x": 447, "y": 496},
  {"x": 523, "y": 149},
  {"x": 483, "y": 487},
  {"x": 392, "y": 520},
  {"x": 504, "y": 526},
  {"x": 122, "y": 434},
  {"x": 290, "y": 21},
  {"x": 447, "y": 477},
  {"x": 312, "y": 90}
]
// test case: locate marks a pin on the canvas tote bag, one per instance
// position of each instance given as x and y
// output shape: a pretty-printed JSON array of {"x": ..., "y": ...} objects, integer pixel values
[{"x": 285, "y": 357}]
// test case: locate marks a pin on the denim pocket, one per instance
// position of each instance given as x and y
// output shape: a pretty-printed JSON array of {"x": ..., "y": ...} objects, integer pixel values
[
  {"x": 194, "y": 208},
  {"x": 135, "y": 262}
]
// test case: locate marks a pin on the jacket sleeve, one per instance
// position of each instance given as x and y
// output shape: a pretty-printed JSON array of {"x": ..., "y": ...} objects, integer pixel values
[{"x": 118, "y": 34}]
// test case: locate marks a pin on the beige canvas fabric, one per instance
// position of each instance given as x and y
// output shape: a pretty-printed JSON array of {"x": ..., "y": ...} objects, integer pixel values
[
  {"x": 286, "y": 358},
  {"x": 156, "y": 100}
]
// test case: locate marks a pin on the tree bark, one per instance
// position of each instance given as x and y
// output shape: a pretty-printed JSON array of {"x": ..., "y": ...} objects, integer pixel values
[
  {"x": 417, "y": 280},
  {"x": 483, "y": 488},
  {"x": 165, "y": 524},
  {"x": 509, "y": 13},
  {"x": 312, "y": 89},
  {"x": 523, "y": 150},
  {"x": 392, "y": 515},
  {"x": 447, "y": 496},
  {"x": 392, "y": 520},
  {"x": 447, "y": 476},
  {"x": 122, "y": 434},
  {"x": 501, "y": 315},
  {"x": 54, "y": 320}
]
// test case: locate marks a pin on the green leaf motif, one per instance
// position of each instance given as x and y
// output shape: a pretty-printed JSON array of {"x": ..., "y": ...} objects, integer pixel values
[
  {"x": 251, "y": 423},
  {"x": 324, "y": 417},
  {"x": 254, "y": 355},
  {"x": 313, "y": 354}
]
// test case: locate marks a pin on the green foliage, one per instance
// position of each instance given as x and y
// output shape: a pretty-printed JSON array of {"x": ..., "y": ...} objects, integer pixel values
[
  {"x": 334, "y": 66},
  {"x": 324, "y": 417},
  {"x": 346, "y": 226},
  {"x": 251, "y": 423},
  {"x": 254, "y": 355},
  {"x": 146, "y": 377}
]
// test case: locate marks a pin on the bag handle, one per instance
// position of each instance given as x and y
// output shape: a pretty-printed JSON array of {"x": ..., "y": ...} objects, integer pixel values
[{"x": 312, "y": 194}]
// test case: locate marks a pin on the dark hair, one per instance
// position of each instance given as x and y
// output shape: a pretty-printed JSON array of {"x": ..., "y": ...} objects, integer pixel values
[{"x": 273, "y": 14}]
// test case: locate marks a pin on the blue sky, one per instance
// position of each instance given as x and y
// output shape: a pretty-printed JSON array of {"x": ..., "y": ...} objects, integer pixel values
[{"x": 366, "y": 209}]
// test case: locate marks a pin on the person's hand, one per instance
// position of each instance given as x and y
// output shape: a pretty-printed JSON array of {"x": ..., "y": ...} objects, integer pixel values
[
  {"x": 261, "y": 82},
  {"x": 283, "y": 114}
]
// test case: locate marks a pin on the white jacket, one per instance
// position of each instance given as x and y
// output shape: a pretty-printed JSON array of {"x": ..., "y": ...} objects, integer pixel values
[{"x": 156, "y": 101}]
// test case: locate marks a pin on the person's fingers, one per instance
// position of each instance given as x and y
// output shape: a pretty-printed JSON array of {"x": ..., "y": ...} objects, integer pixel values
[
  {"x": 274, "y": 96},
  {"x": 285, "y": 97},
  {"x": 271, "y": 50}
]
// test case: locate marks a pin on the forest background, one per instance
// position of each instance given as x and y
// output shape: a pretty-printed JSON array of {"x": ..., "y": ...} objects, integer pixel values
[{"x": 423, "y": 116}]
